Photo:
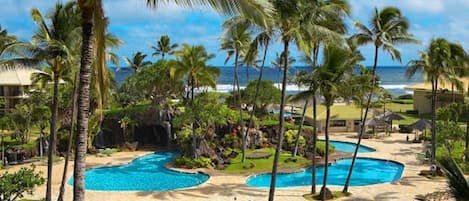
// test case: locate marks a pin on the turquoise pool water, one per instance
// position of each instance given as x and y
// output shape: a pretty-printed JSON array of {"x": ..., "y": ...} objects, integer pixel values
[
  {"x": 146, "y": 173},
  {"x": 349, "y": 147},
  {"x": 367, "y": 171}
]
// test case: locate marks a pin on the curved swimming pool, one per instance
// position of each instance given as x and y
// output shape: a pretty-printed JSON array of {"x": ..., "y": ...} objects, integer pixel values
[
  {"x": 147, "y": 173},
  {"x": 349, "y": 147},
  {"x": 367, "y": 171}
]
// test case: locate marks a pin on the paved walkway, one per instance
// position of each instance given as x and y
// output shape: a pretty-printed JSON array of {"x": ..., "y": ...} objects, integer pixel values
[{"x": 222, "y": 187}]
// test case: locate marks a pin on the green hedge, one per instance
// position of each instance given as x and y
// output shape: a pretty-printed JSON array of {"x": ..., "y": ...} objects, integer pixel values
[
  {"x": 321, "y": 148},
  {"x": 186, "y": 162},
  {"x": 403, "y": 101}
]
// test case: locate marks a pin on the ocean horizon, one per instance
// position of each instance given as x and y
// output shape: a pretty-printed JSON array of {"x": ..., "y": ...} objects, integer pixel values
[{"x": 392, "y": 77}]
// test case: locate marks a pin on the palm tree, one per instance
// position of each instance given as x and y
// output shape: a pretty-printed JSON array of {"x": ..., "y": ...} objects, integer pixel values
[
  {"x": 70, "y": 138},
  {"x": 191, "y": 64},
  {"x": 388, "y": 28},
  {"x": 236, "y": 40},
  {"x": 6, "y": 41},
  {"x": 337, "y": 63},
  {"x": 93, "y": 11},
  {"x": 137, "y": 61},
  {"x": 55, "y": 46},
  {"x": 457, "y": 182},
  {"x": 164, "y": 47},
  {"x": 294, "y": 23},
  {"x": 436, "y": 64}
]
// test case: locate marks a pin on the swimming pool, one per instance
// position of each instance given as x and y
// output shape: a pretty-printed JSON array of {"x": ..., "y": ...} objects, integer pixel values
[
  {"x": 349, "y": 147},
  {"x": 367, "y": 171},
  {"x": 147, "y": 173}
]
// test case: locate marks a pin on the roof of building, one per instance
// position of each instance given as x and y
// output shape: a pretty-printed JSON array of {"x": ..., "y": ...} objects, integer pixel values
[
  {"x": 442, "y": 85},
  {"x": 20, "y": 75}
]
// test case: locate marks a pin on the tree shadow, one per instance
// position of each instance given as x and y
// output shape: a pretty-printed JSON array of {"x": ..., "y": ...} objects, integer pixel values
[{"x": 208, "y": 191}]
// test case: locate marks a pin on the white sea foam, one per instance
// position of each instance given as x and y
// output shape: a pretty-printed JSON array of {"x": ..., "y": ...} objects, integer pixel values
[
  {"x": 394, "y": 86},
  {"x": 293, "y": 87}
]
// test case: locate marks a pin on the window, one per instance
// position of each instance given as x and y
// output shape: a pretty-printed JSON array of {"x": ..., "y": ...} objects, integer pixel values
[{"x": 338, "y": 123}]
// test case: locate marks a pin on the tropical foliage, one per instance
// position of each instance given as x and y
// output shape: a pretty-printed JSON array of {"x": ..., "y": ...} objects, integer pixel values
[{"x": 13, "y": 186}]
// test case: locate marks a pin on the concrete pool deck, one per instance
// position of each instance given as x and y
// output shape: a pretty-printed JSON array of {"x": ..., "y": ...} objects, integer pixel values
[{"x": 221, "y": 187}]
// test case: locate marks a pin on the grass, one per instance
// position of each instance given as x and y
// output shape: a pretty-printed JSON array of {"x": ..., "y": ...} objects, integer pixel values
[
  {"x": 335, "y": 194},
  {"x": 264, "y": 165}
]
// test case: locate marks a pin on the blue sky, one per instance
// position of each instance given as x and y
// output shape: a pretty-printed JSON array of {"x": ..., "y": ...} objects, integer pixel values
[{"x": 139, "y": 27}]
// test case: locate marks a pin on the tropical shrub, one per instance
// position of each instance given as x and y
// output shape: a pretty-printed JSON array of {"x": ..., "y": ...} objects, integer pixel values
[
  {"x": 290, "y": 139},
  {"x": 14, "y": 185},
  {"x": 231, "y": 140},
  {"x": 186, "y": 162},
  {"x": 448, "y": 133},
  {"x": 405, "y": 97},
  {"x": 321, "y": 148}
]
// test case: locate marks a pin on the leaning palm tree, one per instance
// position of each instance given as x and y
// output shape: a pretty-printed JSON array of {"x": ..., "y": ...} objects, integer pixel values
[
  {"x": 436, "y": 64},
  {"x": 137, "y": 62},
  {"x": 191, "y": 64},
  {"x": 164, "y": 47},
  {"x": 337, "y": 63},
  {"x": 257, "y": 10},
  {"x": 388, "y": 28},
  {"x": 236, "y": 40},
  {"x": 55, "y": 45}
]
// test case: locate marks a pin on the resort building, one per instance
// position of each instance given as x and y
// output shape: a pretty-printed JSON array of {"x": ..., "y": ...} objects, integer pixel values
[
  {"x": 344, "y": 118},
  {"x": 446, "y": 94},
  {"x": 14, "y": 83}
]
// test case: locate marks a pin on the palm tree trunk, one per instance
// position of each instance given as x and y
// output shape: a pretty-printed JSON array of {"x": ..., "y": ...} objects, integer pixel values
[
  {"x": 315, "y": 139},
  {"x": 256, "y": 94},
  {"x": 297, "y": 140},
  {"x": 239, "y": 104},
  {"x": 281, "y": 123},
  {"x": 326, "y": 154},
  {"x": 194, "y": 135},
  {"x": 362, "y": 123},
  {"x": 87, "y": 52},
  {"x": 434, "y": 100},
  {"x": 467, "y": 141},
  {"x": 53, "y": 135},
  {"x": 70, "y": 140}
]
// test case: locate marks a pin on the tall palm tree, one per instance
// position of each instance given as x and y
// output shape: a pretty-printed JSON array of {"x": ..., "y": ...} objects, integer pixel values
[
  {"x": 337, "y": 63},
  {"x": 137, "y": 61},
  {"x": 293, "y": 23},
  {"x": 236, "y": 40},
  {"x": 92, "y": 11},
  {"x": 164, "y": 47},
  {"x": 261, "y": 40},
  {"x": 436, "y": 64},
  {"x": 191, "y": 64},
  {"x": 55, "y": 46},
  {"x": 388, "y": 28}
]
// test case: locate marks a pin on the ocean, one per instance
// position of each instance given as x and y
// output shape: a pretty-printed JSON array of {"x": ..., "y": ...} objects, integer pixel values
[{"x": 392, "y": 78}]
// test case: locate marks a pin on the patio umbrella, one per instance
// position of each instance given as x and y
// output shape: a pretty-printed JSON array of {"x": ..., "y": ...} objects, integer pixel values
[
  {"x": 375, "y": 122},
  {"x": 389, "y": 116},
  {"x": 421, "y": 124}
]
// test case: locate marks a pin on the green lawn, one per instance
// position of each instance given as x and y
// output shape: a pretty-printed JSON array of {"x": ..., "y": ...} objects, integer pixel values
[
  {"x": 353, "y": 112},
  {"x": 264, "y": 165}
]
